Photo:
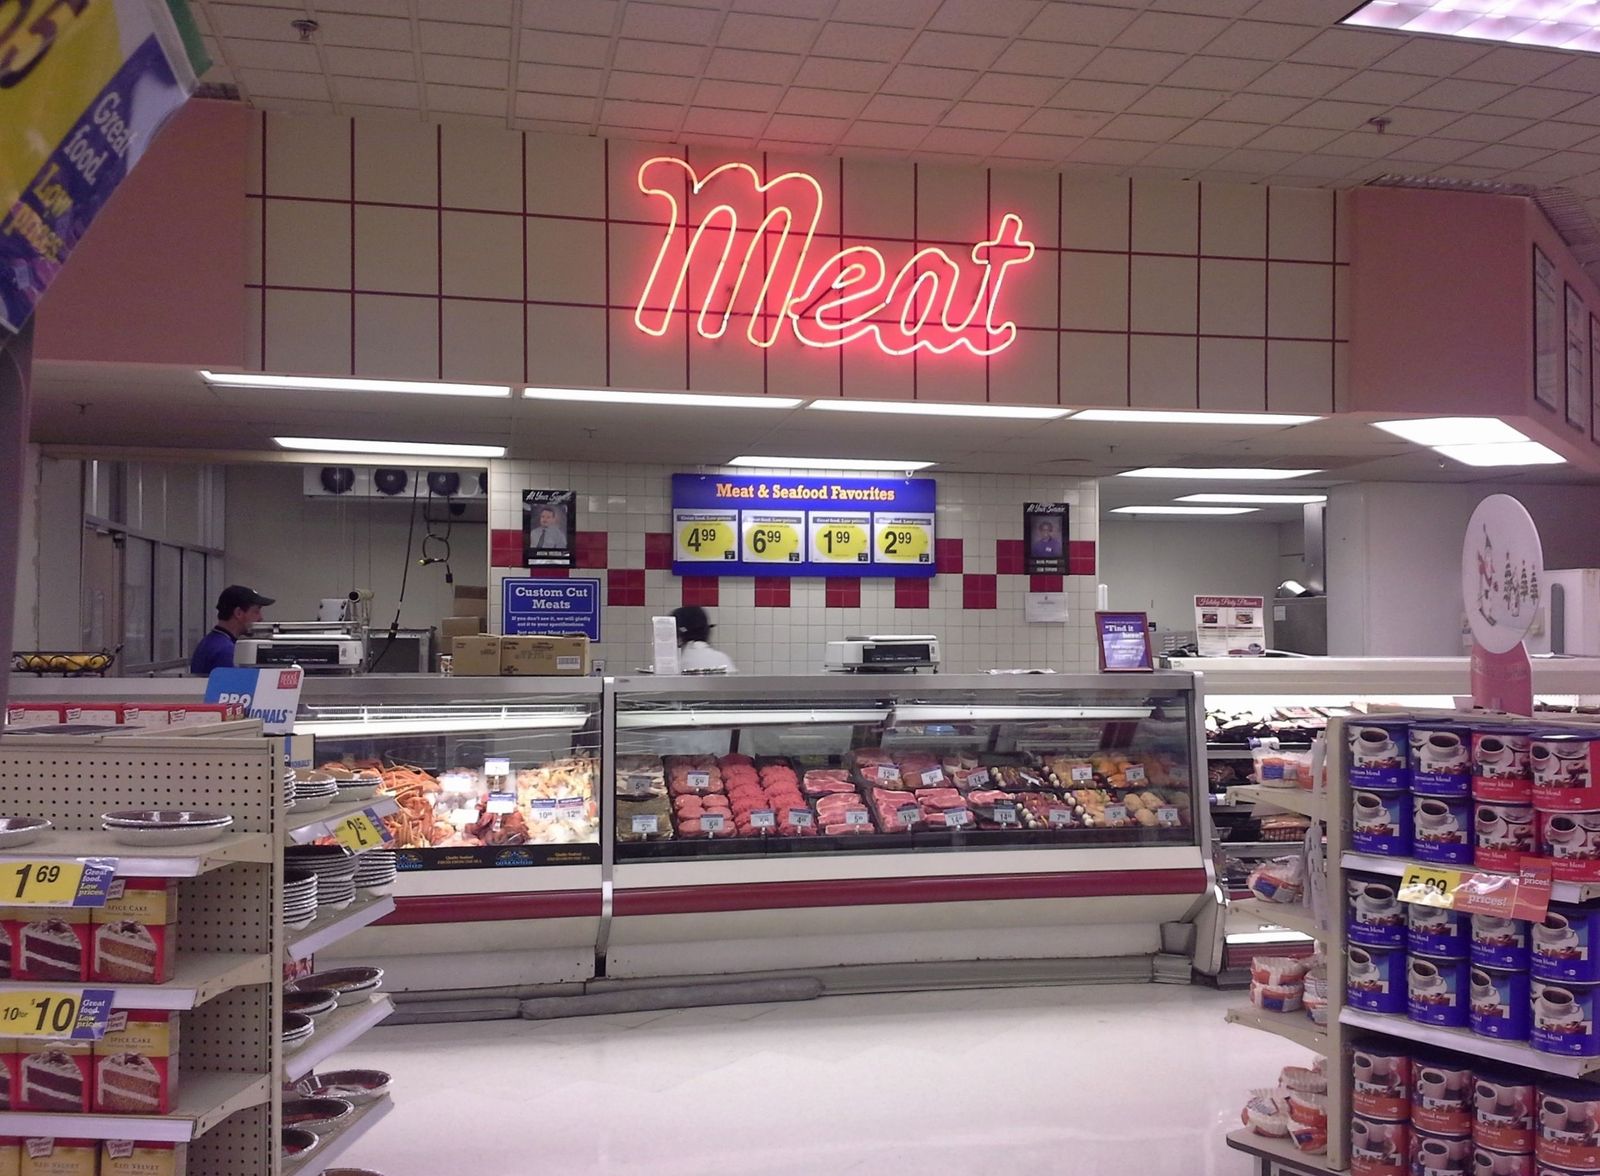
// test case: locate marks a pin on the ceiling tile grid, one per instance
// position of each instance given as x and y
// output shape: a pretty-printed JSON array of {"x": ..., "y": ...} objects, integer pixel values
[{"x": 1248, "y": 90}]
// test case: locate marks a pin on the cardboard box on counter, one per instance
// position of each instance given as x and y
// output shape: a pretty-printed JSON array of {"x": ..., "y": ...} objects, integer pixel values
[
  {"x": 528, "y": 657},
  {"x": 475, "y": 657},
  {"x": 452, "y": 627},
  {"x": 472, "y": 601}
]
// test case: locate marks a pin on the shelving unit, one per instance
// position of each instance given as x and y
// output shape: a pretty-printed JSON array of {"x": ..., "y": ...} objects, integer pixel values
[
  {"x": 1290, "y": 800},
  {"x": 204, "y": 1100},
  {"x": 1517, "y": 1053},
  {"x": 335, "y": 1031},
  {"x": 1366, "y": 863},
  {"x": 1292, "y": 915},
  {"x": 185, "y": 861},
  {"x": 323, "y": 822},
  {"x": 1275, "y": 1156},
  {"x": 1295, "y": 1027},
  {"x": 335, "y": 1143},
  {"x": 197, "y": 978},
  {"x": 328, "y": 929}
]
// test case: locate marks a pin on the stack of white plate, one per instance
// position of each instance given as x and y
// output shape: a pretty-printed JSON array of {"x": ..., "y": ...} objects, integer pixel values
[
  {"x": 165, "y": 827},
  {"x": 375, "y": 871},
  {"x": 314, "y": 790},
  {"x": 335, "y": 868},
  {"x": 299, "y": 898},
  {"x": 297, "y": 1030},
  {"x": 289, "y": 789}
]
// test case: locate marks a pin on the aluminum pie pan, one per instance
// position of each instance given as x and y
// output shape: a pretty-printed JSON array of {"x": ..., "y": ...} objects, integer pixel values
[
  {"x": 352, "y": 984},
  {"x": 313, "y": 1002},
  {"x": 164, "y": 819},
  {"x": 319, "y": 1114},
  {"x": 20, "y": 831},
  {"x": 357, "y": 1086},
  {"x": 297, "y": 1141},
  {"x": 159, "y": 835}
]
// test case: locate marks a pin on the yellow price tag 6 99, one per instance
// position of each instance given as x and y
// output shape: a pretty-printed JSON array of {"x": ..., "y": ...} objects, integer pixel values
[
  {"x": 774, "y": 537},
  {"x": 79, "y": 1014},
  {"x": 1427, "y": 886},
  {"x": 361, "y": 831}
]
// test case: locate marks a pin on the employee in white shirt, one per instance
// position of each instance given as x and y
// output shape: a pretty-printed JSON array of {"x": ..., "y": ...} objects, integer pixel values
[{"x": 694, "y": 642}]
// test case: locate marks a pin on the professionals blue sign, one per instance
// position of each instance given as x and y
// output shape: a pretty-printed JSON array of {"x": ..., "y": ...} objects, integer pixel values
[
  {"x": 774, "y": 525},
  {"x": 550, "y": 608}
]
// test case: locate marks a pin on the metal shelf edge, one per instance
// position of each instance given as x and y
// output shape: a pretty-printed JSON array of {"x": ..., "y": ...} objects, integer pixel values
[
  {"x": 1518, "y": 1053},
  {"x": 339, "y": 1030},
  {"x": 336, "y": 1142},
  {"x": 346, "y": 922}
]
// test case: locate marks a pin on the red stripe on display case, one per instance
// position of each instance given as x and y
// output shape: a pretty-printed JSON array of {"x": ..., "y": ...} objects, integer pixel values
[
  {"x": 764, "y": 896},
  {"x": 492, "y": 908}
]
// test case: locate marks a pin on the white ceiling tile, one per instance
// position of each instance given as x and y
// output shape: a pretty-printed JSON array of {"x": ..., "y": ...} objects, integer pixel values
[
  {"x": 1110, "y": 151},
  {"x": 1553, "y": 136},
  {"x": 1080, "y": 24},
  {"x": 1072, "y": 124},
  {"x": 737, "y": 95},
  {"x": 1205, "y": 7},
  {"x": 648, "y": 87},
  {"x": 832, "y": 73},
  {"x": 1216, "y": 133},
  {"x": 828, "y": 103},
  {"x": 962, "y": 141},
  {"x": 1317, "y": 13},
  {"x": 371, "y": 63},
  {"x": 805, "y": 128},
  {"x": 777, "y": 34},
  {"x": 1413, "y": 122},
  {"x": 1175, "y": 101},
  {"x": 466, "y": 100},
  {"x": 658, "y": 56},
  {"x": 986, "y": 116},
  {"x": 1368, "y": 144},
  {"x": 1257, "y": 39},
  {"x": 668, "y": 22},
  {"x": 300, "y": 56},
  {"x": 741, "y": 123},
  {"x": 900, "y": 109},
  {"x": 1456, "y": 94},
  {"x": 365, "y": 7},
  {"x": 656, "y": 116},
  {"x": 237, "y": 20},
  {"x": 1582, "y": 74},
  {"x": 1503, "y": 155},
  {"x": 1337, "y": 116},
  {"x": 464, "y": 40},
  {"x": 1435, "y": 56},
  {"x": 1535, "y": 102},
  {"x": 1258, "y": 108},
  {"x": 865, "y": 133},
  {"x": 560, "y": 79},
  {"x": 1328, "y": 167},
  {"x": 1258, "y": 160},
  {"x": 1051, "y": 59},
  {"x": 491, "y": 12},
  {"x": 466, "y": 71},
  {"x": 295, "y": 105},
  {"x": 926, "y": 81},
  {"x": 368, "y": 32},
  {"x": 375, "y": 92},
  {"x": 563, "y": 48},
  {"x": 1587, "y": 113},
  {"x": 1130, "y": 65},
  {"x": 1080, "y": 95},
  {"x": 1511, "y": 64},
  {"x": 1144, "y": 128},
  {"x": 1293, "y": 139},
  {"x": 1376, "y": 85},
  {"x": 1018, "y": 89},
  {"x": 1303, "y": 81},
  {"x": 560, "y": 107},
  {"x": 958, "y": 50},
  {"x": 751, "y": 65},
  {"x": 1217, "y": 73},
  {"x": 1356, "y": 48},
  {"x": 861, "y": 42},
  {"x": 1434, "y": 150},
  {"x": 1174, "y": 31},
  {"x": 1005, "y": 18},
  {"x": 1028, "y": 146},
  {"x": 911, "y": 14},
  {"x": 277, "y": 83},
  {"x": 1484, "y": 128},
  {"x": 597, "y": 17},
  {"x": 1188, "y": 157}
]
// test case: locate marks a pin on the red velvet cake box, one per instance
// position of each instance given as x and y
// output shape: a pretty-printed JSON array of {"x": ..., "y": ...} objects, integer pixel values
[
  {"x": 136, "y": 1064},
  {"x": 127, "y": 1157},
  {"x": 10, "y": 1156},
  {"x": 60, "y": 1157},
  {"x": 135, "y": 937},
  {"x": 50, "y": 943},
  {"x": 56, "y": 1076},
  {"x": 10, "y": 1084}
]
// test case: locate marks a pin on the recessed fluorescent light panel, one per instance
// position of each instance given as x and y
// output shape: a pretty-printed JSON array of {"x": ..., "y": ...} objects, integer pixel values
[
  {"x": 1257, "y": 499},
  {"x": 343, "y": 384},
  {"x": 1552, "y": 24},
  {"x": 1474, "y": 441},
  {"x": 658, "y": 399},
  {"x": 1216, "y": 474},
  {"x": 397, "y": 448},
  {"x": 827, "y": 463},
  {"x": 1157, "y": 417},
  {"x": 924, "y": 408},
  {"x": 1184, "y": 510}
]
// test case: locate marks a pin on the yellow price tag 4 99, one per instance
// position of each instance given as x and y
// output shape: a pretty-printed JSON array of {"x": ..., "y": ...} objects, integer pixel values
[
  {"x": 57, "y": 883},
  {"x": 1427, "y": 886},
  {"x": 705, "y": 536},
  {"x": 79, "y": 1014},
  {"x": 361, "y": 831}
]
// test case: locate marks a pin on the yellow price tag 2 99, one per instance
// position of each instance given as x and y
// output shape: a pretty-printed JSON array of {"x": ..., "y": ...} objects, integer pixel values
[
  {"x": 361, "y": 831},
  {"x": 902, "y": 539},
  {"x": 57, "y": 883},
  {"x": 1427, "y": 886},
  {"x": 79, "y": 1014}
]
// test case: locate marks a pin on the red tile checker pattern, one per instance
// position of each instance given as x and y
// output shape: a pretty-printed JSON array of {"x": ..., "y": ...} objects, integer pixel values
[
  {"x": 948, "y": 554},
  {"x": 772, "y": 592},
  {"x": 980, "y": 592},
  {"x": 658, "y": 551},
  {"x": 1008, "y": 557},
  {"x": 625, "y": 587},
  {"x": 842, "y": 593},
  {"x": 700, "y": 590},
  {"x": 911, "y": 594}
]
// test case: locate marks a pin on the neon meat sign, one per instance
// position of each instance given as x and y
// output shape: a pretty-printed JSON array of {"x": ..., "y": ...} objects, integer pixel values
[{"x": 759, "y": 266}]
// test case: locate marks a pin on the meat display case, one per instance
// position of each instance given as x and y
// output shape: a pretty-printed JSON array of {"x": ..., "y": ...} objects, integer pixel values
[{"x": 767, "y": 824}]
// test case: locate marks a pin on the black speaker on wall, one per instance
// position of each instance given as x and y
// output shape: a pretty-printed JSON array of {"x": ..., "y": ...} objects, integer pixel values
[
  {"x": 337, "y": 479},
  {"x": 390, "y": 481},
  {"x": 444, "y": 483}
]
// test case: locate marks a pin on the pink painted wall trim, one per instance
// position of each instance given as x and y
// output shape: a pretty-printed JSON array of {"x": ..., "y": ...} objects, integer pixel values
[{"x": 159, "y": 278}]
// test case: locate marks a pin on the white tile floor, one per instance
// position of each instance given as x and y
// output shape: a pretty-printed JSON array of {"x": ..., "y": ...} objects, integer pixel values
[{"x": 1080, "y": 1081}]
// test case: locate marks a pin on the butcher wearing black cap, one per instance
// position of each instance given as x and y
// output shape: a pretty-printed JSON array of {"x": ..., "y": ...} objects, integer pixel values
[
  {"x": 695, "y": 652},
  {"x": 237, "y": 609}
]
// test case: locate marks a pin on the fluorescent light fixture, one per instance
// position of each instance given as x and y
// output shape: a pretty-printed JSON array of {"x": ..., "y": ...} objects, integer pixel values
[
  {"x": 1160, "y": 417},
  {"x": 490, "y": 722},
  {"x": 1216, "y": 473},
  {"x": 1184, "y": 510},
  {"x": 342, "y": 384},
  {"x": 1257, "y": 499},
  {"x": 828, "y": 463},
  {"x": 926, "y": 408},
  {"x": 397, "y": 448},
  {"x": 1551, "y": 24},
  {"x": 668, "y": 720},
  {"x": 1019, "y": 712},
  {"x": 658, "y": 399},
  {"x": 1474, "y": 441}
]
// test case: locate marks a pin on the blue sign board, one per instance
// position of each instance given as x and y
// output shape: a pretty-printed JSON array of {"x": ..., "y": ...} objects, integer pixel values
[
  {"x": 550, "y": 608},
  {"x": 779, "y": 525},
  {"x": 1124, "y": 641},
  {"x": 271, "y": 694}
]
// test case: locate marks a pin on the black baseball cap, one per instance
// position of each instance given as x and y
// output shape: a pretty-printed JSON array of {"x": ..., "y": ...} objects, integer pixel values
[
  {"x": 238, "y": 596},
  {"x": 691, "y": 618}
]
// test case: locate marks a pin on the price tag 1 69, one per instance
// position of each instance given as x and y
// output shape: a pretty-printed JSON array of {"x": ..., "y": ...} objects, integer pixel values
[
  {"x": 58, "y": 883},
  {"x": 362, "y": 831},
  {"x": 1427, "y": 886},
  {"x": 75, "y": 1014}
]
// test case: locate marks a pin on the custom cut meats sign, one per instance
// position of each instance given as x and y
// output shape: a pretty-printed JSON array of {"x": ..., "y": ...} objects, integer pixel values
[{"x": 747, "y": 249}]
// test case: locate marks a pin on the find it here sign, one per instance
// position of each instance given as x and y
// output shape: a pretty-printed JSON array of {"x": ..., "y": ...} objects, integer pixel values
[{"x": 550, "y": 608}]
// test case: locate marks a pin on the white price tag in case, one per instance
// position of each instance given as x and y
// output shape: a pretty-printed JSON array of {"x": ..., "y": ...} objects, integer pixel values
[
  {"x": 857, "y": 817},
  {"x": 956, "y": 818},
  {"x": 645, "y": 824},
  {"x": 1060, "y": 818},
  {"x": 933, "y": 777},
  {"x": 712, "y": 824},
  {"x": 763, "y": 819},
  {"x": 802, "y": 818}
]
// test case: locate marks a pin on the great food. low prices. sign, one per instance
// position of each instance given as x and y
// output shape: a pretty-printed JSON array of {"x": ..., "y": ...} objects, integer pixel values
[
  {"x": 84, "y": 87},
  {"x": 772, "y": 525}
]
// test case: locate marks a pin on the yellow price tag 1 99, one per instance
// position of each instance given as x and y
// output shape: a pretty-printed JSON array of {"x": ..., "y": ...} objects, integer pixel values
[
  {"x": 774, "y": 537},
  {"x": 903, "y": 539},
  {"x": 362, "y": 831},
  {"x": 57, "y": 883},
  {"x": 1427, "y": 886},
  {"x": 840, "y": 538},
  {"x": 705, "y": 536},
  {"x": 77, "y": 1014}
]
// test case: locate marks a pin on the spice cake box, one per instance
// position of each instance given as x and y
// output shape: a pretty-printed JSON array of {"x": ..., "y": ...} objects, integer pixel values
[
  {"x": 135, "y": 935},
  {"x": 136, "y": 1064}
]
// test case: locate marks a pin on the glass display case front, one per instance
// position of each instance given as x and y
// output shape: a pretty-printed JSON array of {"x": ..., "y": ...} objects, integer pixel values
[
  {"x": 903, "y": 763},
  {"x": 487, "y": 772}
]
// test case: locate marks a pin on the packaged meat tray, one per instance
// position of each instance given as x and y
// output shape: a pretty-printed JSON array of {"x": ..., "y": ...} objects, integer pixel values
[
  {"x": 821, "y": 782},
  {"x": 692, "y": 775},
  {"x": 765, "y": 799},
  {"x": 640, "y": 776},
  {"x": 897, "y": 811},
  {"x": 702, "y": 816},
  {"x": 1046, "y": 810},
  {"x": 994, "y": 809},
  {"x": 644, "y": 820},
  {"x": 844, "y": 814},
  {"x": 1015, "y": 778}
]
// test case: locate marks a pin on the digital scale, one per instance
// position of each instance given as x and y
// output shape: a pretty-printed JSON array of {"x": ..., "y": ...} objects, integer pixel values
[{"x": 882, "y": 654}]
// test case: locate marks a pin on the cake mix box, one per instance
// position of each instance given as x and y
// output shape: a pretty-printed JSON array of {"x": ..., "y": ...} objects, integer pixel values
[
  {"x": 50, "y": 943},
  {"x": 54, "y": 1076},
  {"x": 136, "y": 1064},
  {"x": 10, "y": 1156},
  {"x": 9, "y": 1082},
  {"x": 60, "y": 1157},
  {"x": 135, "y": 938},
  {"x": 128, "y": 1157}
]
